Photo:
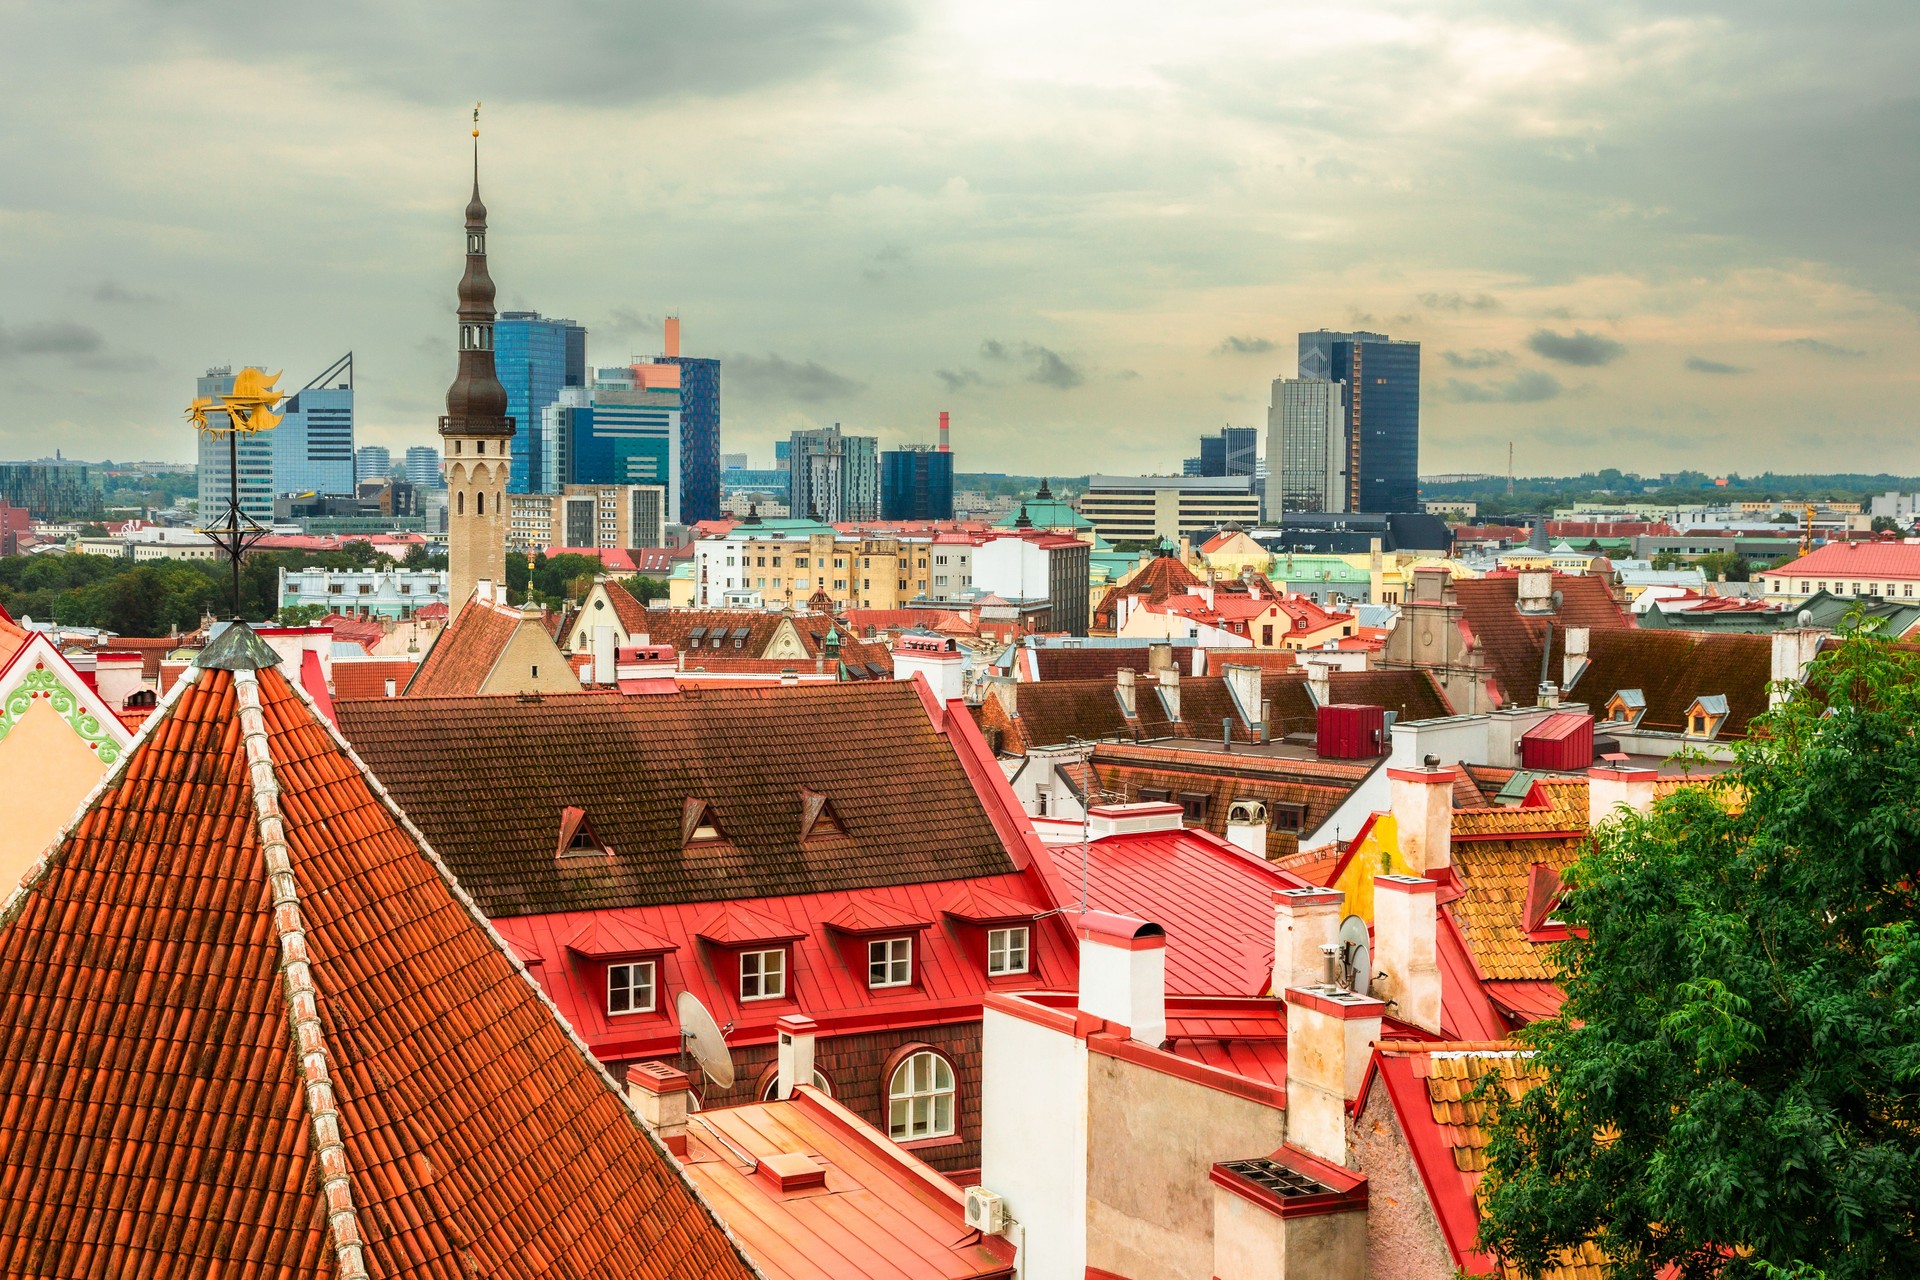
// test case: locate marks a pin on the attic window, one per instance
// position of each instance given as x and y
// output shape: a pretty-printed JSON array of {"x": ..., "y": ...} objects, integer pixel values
[
  {"x": 697, "y": 823},
  {"x": 1289, "y": 817},
  {"x": 817, "y": 817},
  {"x": 1158, "y": 795},
  {"x": 577, "y": 836},
  {"x": 1194, "y": 803}
]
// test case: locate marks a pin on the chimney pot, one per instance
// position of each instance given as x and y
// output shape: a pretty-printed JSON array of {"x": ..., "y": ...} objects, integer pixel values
[
  {"x": 1123, "y": 973},
  {"x": 797, "y": 1035},
  {"x": 658, "y": 1093}
]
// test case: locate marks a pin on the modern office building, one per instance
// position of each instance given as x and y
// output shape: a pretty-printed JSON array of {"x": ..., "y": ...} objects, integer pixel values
[
  {"x": 1147, "y": 509},
  {"x": 372, "y": 462},
  {"x": 732, "y": 462},
  {"x": 583, "y": 517},
  {"x": 313, "y": 445},
  {"x": 1232, "y": 452},
  {"x": 1382, "y": 410},
  {"x": 423, "y": 467},
  {"x": 255, "y": 459},
  {"x": 916, "y": 483},
  {"x": 835, "y": 477},
  {"x": 1306, "y": 447},
  {"x": 535, "y": 357},
  {"x": 620, "y": 434},
  {"x": 699, "y": 428},
  {"x": 56, "y": 490}
]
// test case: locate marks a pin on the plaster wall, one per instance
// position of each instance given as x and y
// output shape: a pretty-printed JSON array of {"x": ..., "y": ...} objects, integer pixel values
[
  {"x": 49, "y": 770},
  {"x": 1403, "y": 1237},
  {"x": 1033, "y": 1140},
  {"x": 532, "y": 663},
  {"x": 1254, "y": 1243}
]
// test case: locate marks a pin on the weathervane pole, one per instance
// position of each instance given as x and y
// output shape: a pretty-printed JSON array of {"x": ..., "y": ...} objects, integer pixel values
[{"x": 249, "y": 408}]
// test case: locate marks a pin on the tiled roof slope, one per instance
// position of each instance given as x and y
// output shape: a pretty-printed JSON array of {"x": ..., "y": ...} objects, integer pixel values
[
  {"x": 1491, "y": 909},
  {"x": 1877, "y": 559},
  {"x": 1085, "y": 664},
  {"x": 1512, "y": 640},
  {"x": 1672, "y": 668},
  {"x": 487, "y": 778},
  {"x": 249, "y": 1028},
  {"x": 1412, "y": 695},
  {"x": 1049, "y": 712},
  {"x": 1317, "y": 786},
  {"x": 1162, "y": 577},
  {"x": 464, "y": 653}
]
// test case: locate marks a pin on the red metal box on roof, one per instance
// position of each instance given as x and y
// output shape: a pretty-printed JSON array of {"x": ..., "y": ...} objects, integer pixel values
[
  {"x": 1351, "y": 731},
  {"x": 1563, "y": 742}
]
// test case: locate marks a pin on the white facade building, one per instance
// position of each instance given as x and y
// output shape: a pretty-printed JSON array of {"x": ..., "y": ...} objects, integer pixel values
[
  {"x": 366, "y": 593},
  {"x": 1307, "y": 441}
]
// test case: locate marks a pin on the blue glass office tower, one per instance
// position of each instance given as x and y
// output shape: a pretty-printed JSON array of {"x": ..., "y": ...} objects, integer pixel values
[
  {"x": 699, "y": 437},
  {"x": 623, "y": 437},
  {"x": 916, "y": 484},
  {"x": 1382, "y": 408},
  {"x": 313, "y": 445},
  {"x": 535, "y": 357}
]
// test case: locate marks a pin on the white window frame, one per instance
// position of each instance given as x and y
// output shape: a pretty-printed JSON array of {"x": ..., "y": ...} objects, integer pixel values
[
  {"x": 889, "y": 962},
  {"x": 633, "y": 970},
  {"x": 1007, "y": 942},
  {"x": 763, "y": 974},
  {"x": 916, "y": 1092}
]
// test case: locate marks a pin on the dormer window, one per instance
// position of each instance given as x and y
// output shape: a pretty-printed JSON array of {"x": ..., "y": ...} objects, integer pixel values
[
  {"x": 890, "y": 962},
  {"x": 698, "y": 823},
  {"x": 577, "y": 837},
  {"x": 630, "y": 987},
  {"x": 763, "y": 974},
  {"x": 817, "y": 817},
  {"x": 1007, "y": 950}
]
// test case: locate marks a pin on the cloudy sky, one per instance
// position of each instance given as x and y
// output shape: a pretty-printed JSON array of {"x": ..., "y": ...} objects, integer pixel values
[{"x": 1651, "y": 236}]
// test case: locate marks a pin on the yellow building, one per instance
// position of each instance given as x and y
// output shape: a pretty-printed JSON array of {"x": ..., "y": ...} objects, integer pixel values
[{"x": 1228, "y": 555}]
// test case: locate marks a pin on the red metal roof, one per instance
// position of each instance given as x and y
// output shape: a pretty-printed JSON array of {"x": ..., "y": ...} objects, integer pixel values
[
  {"x": 881, "y": 1215},
  {"x": 1843, "y": 560},
  {"x": 1558, "y": 727}
]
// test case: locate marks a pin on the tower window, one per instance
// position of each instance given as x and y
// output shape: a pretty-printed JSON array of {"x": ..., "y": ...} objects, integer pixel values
[
  {"x": 476, "y": 242},
  {"x": 459, "y": 504},
  {"x": 479, "y": 504}
]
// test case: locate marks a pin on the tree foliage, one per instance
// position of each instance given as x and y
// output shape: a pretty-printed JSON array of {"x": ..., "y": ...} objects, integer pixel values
[{"x": 1733, "y": 1085}]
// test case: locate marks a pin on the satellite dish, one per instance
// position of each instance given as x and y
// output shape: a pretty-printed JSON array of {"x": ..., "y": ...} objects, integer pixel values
[
  {"x": 1356, "y": 955},
  {"x": 703, "y": 1039}
]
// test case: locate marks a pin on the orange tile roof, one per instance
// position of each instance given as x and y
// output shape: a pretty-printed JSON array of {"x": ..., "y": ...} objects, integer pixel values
[
  {"x": 440, "y": 1121},
  {"x": 1162, "y": 577},
  {"x": 465, "y": 653},
  {"x": 367, "y": 677},
  {"x": 1493, "y": 876}
]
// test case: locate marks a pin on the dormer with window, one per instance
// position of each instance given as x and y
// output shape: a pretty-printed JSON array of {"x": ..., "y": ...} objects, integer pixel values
[
  {"x": 1626, "y": 707},
  {"x": 1000, "y": 933},
  {"x": 578, "y": 839},
  {"x": 698, "y": 823},
  {"x": 1545, "y": 889},
  {"x": 627, "y": 962},
  {"x": 879, "y": 941},
  {"x": 817, "y": 816},
  {"x": 751, "y": 954},
  {"x": 1706, "y": 715}
]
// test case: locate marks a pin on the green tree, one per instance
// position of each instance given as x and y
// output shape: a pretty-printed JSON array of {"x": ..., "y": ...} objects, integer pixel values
[
  {"x": 300, "y": 615},
  {"x": 1885, "y": 524},
  {"x": 1733, "y": 1086}
]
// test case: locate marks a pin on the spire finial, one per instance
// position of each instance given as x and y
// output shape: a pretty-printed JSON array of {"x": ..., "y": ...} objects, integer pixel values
[{"x": 476, "y": 150}]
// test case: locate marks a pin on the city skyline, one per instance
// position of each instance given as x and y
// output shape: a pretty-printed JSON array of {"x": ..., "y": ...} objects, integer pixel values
[{"x": 863, "y": 216}]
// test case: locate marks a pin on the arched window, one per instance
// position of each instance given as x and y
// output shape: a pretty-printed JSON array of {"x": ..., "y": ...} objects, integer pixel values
[
  {"x": 460, "y": 504},
  {"x": 772, "y": 1082},
  {"x": 920, "y": 1098},
  {"x": 479, "y": 504}
]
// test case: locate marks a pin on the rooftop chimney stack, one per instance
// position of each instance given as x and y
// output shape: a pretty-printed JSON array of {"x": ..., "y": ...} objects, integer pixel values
[
  {"x": 1124, "y": 689},
  {"x": 1123, "y": 973},
  {"x": 1304, "y": 920},
  {"x": 658, "y": 1093},
  {"x": 1611, "y": 789},
  {"x": 1405, "y": 947},
  {"x": 1170, "y": 692},
  {"x": 1423, "y": 815},
  {"x": 797, "y": 1033},
  {"x": 944, "y": 447},
  {"x": 1330, "y": 1037}
]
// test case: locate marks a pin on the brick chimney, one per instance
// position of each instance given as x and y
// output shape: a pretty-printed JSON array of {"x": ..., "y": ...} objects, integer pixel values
[
  {"x": 1610, "y": 790},
  {"x": 795, "y": 1059},
  {"x": 1304, "y": 921},
  {"x": 658, "y": 1093},
  {"x": 1123, "y": 973},
  {"x": 1423, "y": 813},
  {"x": 1330, "y": 1037},
  {"x": 1406, "y": 948}
]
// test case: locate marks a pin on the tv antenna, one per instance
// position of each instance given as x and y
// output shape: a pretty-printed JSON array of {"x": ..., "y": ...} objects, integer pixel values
[{"x": 703, "y": 1038}]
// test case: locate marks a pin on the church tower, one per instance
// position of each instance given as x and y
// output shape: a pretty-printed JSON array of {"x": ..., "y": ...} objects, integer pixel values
[{"x": 477, "y": 434}]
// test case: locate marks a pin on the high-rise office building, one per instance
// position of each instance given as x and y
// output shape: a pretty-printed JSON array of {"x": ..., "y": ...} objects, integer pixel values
[
  {"x": 834, "y": 477},
  {"x": 1306, "y": 447},
  {"x": 51, "y": 490},
  {"x": 699, "y": 429},
  {"x": 620, "y": 433},
  {"x": 1382, "y": 410},
  {"x": 255, "y": 459},
  {"x": 372, "y": 462},
  {"x": 733, "y": 462},
  {"x": 313, "y": 445},
  {"x": 1233, "y": 452},
  {"x": 916, "y": 483},
  {"x": 423, "y": 467},
  {"x": 535, "y": 357}
]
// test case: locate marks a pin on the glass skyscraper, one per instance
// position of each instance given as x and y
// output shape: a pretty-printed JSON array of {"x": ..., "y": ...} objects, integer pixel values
[
  {"x": 621, "y": 435},
  {"x": 834, "y": 477},
  {"x": 313, "y": 445},
  {"x": 535, "y": 358},
  {"x": 372, "y": 462},
  {"x": 916, "y": 484},
  {"x": 699, "y": 437},
  {"x": 423, "y": 468},
  {"x": 1382, "y": 411},
  {"x": 1306, "y": 447}
]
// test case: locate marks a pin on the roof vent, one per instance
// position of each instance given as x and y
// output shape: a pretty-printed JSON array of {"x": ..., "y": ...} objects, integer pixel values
[{"x": 1276, "y": 1179}]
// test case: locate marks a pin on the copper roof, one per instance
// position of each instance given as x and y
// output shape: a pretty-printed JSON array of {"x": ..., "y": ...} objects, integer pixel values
[
  {"x": 250, "y": 1026},
  {"x": 488, "y": 778}
]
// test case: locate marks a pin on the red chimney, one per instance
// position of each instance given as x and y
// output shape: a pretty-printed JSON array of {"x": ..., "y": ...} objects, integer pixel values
[{"x": 943, "y": 432}]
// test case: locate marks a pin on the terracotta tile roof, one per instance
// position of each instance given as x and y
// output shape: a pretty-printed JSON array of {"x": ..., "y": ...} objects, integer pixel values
[
  {"x": 1051, "y": 711},
  {"x": 442, "y": 1122},
  {"x": 1672, "y": 668},
  {"x": 464, "y": 654},
  {"x": 487, "y": 779},
  {"x": 1316, "y": 788},
  {"x": 361, "y": 631},
  {"x": 1512, "y": 640},
  {"x": 1410, "y": 694},
  {"x": 152, "y": 649},
  {"x": 1431, "y": 1087},
  {"x": 1556, "y": 804},
  {"x": 1270, "y": 661},
  {"x": 1085, "y": 664},
  {"x": 1493, "y": 876},
  {"x": 1163, "y": 576},
  {"x": 367, "y": 677}
]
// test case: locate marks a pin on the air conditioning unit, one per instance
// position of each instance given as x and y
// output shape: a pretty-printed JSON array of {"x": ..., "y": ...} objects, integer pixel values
[{"x": 986, "y": 1212}]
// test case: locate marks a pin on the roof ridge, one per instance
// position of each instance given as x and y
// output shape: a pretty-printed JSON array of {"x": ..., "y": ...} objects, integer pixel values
[{"x": 303, "y": 1009}]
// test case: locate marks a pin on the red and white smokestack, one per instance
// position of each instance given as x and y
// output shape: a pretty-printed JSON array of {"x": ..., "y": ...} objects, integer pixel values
[{"x": 943, "y": 432}]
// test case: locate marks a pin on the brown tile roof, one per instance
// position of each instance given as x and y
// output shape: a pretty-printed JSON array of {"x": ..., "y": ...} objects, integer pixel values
[
  {"x": 1317, "y": 787},
  {"x": 464, "y": 654},
  {"x": 440, "y": 1120},
  {"x": 1089, "y": 664},
  {"x": 1491, "y": 910},
  {"x": 487, "y": 779},
  {"x": 1270, "y": 661},
  {"x": 1052, "y": 711},
  {"x": 1512, "y": 640},
  {"x": 1163, "y": 576},
  {"x": 1412, "y": 695},
  {"x": 1672, "y": 668}
]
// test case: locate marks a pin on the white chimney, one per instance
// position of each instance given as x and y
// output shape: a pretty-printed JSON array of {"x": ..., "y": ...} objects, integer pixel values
[
  {"x": 1159, "y": 658},
  {"x": 1793, "y": 652},
  {"x": 1304, "y": 921},
  {"x": 1534, "y": 591},
  {"x": 1141, "y": 816},
  {"x": 483, "y": 591},
  {"x": 1170, "y": 692},
  {"x": 1247, "y": 826},
  {"x": 1423, "y": 815},
  {"x": 1319, "y": 682},
  {"x": 605, "y": 643},
  {"x": 1123, "y": 973},
  {"x": 939, "y": 660},
  {"x": 1610, "y": 790},
  {"x": 797, "y": 1032},
  {"x": 1405, "y": 947},
  {"x": 658, "y": 1093},
  {"x": 1330, "y": 1038},
  {"x": 1244, "y": 682},
  {"x": 1574, "y": 659},
  {"x": 1123, "y": 689}
]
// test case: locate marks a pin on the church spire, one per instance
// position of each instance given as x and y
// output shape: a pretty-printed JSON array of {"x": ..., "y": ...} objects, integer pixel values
[{"x": 476, "y": 402}]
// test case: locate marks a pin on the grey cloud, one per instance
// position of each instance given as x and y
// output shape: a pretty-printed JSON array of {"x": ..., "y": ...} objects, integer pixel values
[
  {"x": 1478, "y": 358},
  {"x": 994, "y": 349},
  {"x": 627, "y": 320},
  {"x": 1234, "y": 346},
  {"x": 773, "y": 377},
  {"x": 1699, "y": 364},
  {"x": 959, "y": 379},
  {"x": 888, "y": 263},
  {"x": 1819, "y": 348},
  {"x": 1530, "y": 386},
  {"x": 1459, "y": 302},
  {"x": 1051, "y": 369},
  {"x": 113, "y": 292},
  {"x": 1587, "y": 350},
  {"x": 599, "y": 52},
  {"x": 51, "y": 338}
]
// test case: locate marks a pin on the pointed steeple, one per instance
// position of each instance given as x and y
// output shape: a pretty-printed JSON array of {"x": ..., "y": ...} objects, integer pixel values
[{"x": 476, "y": 402}]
